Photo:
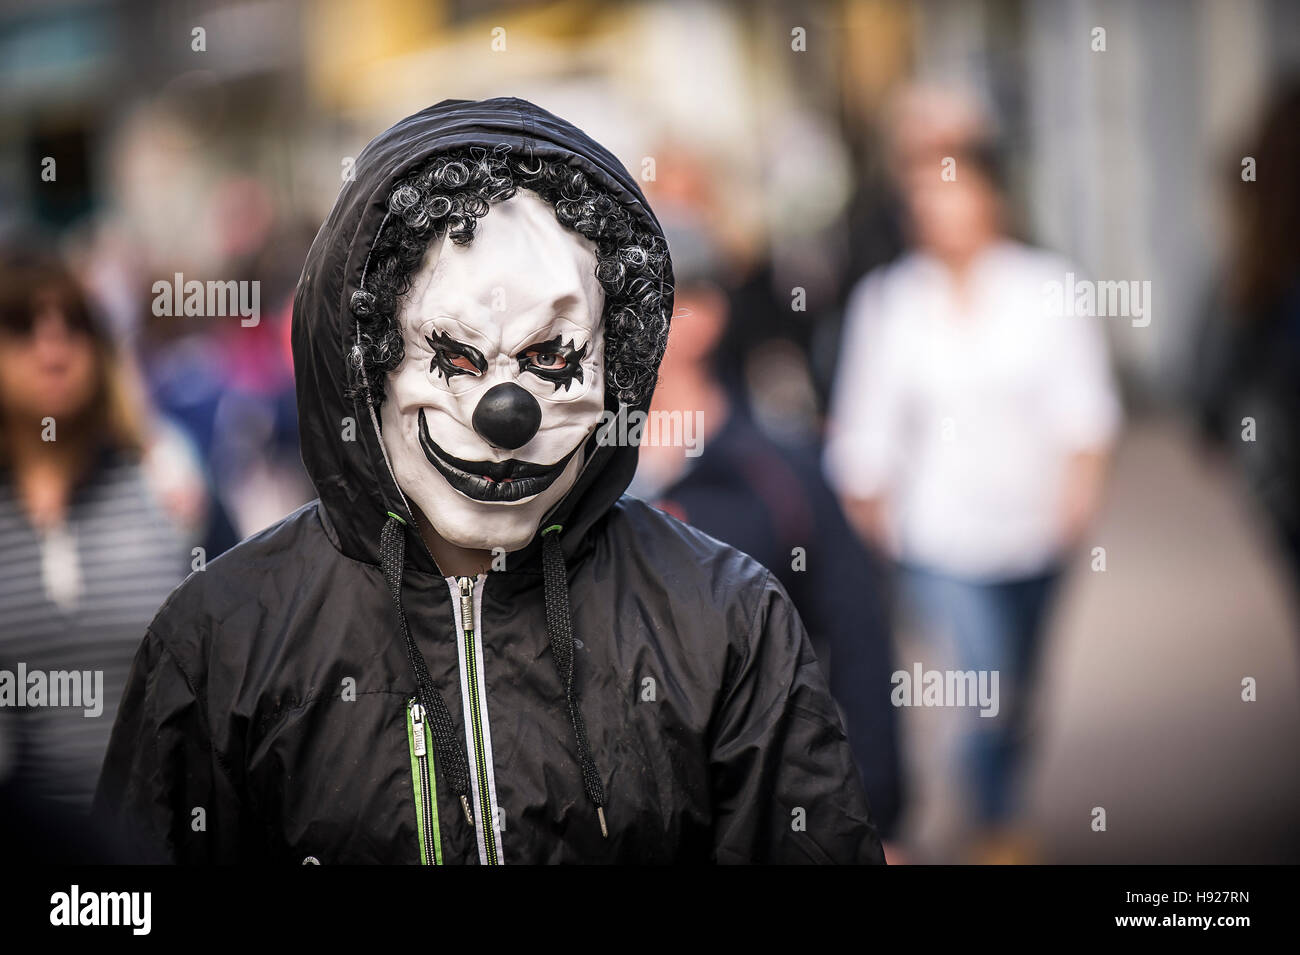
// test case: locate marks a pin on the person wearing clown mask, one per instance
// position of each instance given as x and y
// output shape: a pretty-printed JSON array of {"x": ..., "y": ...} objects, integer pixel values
[{"x": 474, "y": 647}]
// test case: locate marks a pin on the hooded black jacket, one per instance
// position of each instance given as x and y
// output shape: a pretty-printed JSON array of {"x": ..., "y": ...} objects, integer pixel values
[{"x": 268, "y": 718}]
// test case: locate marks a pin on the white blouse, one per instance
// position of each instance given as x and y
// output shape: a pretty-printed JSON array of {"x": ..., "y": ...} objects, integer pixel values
[{"x": 963, "y": 415}]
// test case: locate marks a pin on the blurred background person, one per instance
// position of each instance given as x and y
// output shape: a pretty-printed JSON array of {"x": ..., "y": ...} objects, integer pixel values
[
  {"x": 1247, "y": 358},
  {"x": 88, "y": 549},
  {"x": 736, "y": 484},
  {"x": 970, "y": 428},
  {"x": 228, "y": 386}
]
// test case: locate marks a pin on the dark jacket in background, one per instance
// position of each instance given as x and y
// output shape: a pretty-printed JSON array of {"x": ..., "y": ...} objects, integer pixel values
[
  {"x": 767, "y": 501},
  {"x": 1248, "y": 365}
]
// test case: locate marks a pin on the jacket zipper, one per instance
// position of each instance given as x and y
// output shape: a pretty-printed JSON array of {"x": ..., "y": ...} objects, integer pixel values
[
  {"x": 426, "y": 787},
  {"x": 484, "y": 814}
]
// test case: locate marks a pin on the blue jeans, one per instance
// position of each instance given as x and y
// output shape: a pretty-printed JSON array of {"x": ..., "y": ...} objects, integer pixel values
[{"x": 993, "y": 626}]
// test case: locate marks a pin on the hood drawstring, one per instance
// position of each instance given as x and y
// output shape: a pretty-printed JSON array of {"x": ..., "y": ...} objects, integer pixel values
[
  {"x": 559, "y": 626},
  {"x": 392, "y": 558}
]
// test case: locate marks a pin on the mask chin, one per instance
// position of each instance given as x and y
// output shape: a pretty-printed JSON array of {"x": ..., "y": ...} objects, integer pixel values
[{"x": 510, "y": 526}]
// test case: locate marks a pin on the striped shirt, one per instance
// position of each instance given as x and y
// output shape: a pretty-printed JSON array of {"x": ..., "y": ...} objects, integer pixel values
[{"x": 79, "y": 598}]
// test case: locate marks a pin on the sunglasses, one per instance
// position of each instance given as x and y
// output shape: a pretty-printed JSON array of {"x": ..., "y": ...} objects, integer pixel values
[{"x": 19, "y": 319}]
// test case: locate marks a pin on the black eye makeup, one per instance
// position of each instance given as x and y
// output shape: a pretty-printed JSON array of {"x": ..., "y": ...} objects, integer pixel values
[
  {"x": 454, "y": 358},
  {"x": 557, "y": 361}
]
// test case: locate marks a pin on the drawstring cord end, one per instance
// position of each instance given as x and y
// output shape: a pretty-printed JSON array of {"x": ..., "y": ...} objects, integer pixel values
[
  {"x": 469, "y": 816},
  {"x": 600, "y": 814}
]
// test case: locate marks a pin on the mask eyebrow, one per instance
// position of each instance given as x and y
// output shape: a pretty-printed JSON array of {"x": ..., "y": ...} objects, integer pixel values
[
  {"x": 553, "y": 311},
  {"x": 562, "y": 303},
  {"x": 557, "y": 304},
  {"x": 450, "y": 327},
  {"x": 568, "y": 347},
  {"x": 566, "y": 325}
]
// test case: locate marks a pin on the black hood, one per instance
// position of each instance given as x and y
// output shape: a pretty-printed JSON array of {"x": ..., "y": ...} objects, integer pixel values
[{"x": 354, "y": 484}]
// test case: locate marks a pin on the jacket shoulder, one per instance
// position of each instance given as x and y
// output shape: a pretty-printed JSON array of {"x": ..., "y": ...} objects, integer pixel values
[{"x": 672, "y": 551}]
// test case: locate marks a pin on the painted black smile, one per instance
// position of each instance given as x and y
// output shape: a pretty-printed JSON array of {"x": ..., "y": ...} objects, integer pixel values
[{"x": 492, "y": 481}]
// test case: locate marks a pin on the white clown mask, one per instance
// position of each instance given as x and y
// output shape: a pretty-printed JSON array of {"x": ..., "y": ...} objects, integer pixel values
[{"x": 503, "y": 378}]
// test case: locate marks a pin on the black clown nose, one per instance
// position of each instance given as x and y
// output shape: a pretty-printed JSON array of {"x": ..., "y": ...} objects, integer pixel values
[{"x": 507, "y": 416}]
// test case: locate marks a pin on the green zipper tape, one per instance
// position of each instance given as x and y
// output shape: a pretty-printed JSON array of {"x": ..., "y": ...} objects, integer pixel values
[{"x": 418, "y": 787}]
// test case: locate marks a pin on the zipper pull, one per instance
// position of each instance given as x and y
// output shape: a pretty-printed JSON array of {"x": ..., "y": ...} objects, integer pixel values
[
  {"x": 469, "y": 816},
  {"x": 466, "y": 603},
  {"x": 417, "y": 728}
]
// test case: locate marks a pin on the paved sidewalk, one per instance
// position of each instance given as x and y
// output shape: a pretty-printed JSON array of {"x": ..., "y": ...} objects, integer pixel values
[{"x": 1140, "y": 699}]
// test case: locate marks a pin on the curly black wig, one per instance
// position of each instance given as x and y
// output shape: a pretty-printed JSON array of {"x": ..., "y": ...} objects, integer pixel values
[{"x": 449, "y": 195}]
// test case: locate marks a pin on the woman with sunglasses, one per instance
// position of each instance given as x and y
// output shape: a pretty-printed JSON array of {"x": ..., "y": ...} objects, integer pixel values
[{"x": 87, "y": 550}]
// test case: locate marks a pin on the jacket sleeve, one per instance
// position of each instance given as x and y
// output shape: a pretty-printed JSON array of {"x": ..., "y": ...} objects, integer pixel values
[
  {"x": 784, "y": 786},
  {"x": 163, "y": 795}
]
